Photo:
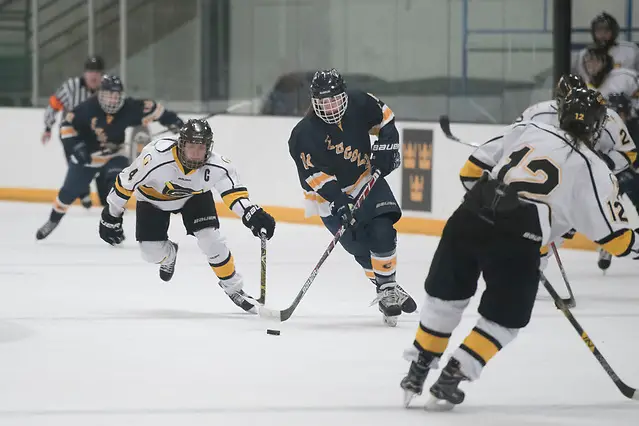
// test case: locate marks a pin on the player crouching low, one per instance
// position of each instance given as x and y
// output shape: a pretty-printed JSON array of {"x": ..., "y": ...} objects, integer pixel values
[{"x": 173, "y": 176}]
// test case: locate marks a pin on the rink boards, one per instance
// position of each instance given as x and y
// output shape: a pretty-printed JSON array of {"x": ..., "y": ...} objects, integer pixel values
[{"x": 426, "y": 186}]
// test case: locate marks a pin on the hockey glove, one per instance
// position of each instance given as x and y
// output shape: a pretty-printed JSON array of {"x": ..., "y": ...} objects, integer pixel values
[
  {"x": 111, "y": 227},
  {"x": 344, "y": 209},
  {"x": 175, "y": 127},
  {"x": 385, "y": 157},
  {"x": 80, "y": 154},
  {"x": 256, "y": 219}
]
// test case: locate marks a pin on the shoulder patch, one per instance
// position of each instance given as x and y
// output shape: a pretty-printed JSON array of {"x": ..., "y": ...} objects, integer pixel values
[
  {"x": 226, "y": 160},
  {"x": 146, "y": 160},
  {"x": 164, "y": 145}
]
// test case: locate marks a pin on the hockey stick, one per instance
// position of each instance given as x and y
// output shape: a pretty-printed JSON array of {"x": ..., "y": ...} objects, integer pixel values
[
  {"x": 262, "y": 298},
  {"x": 232, "y": 108},
  {"x": 626, "y": 390},
  {"x": 444, "y": 124},
  {"x": 285, "y": 314},
  {"x": 569, "y": 302}
]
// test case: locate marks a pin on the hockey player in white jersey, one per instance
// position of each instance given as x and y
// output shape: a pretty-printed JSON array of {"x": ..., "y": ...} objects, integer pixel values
[
  {"x": 604, "y": 29},
  {"x": 173, "y": 176},
  {"x": 526, "y": 187},
  {"x": 615, "y": 143},
  {"x": 600, "y": 74}
]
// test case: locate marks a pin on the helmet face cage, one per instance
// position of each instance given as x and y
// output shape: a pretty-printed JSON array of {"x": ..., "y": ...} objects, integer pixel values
[
  {"x": 328, "y": 96},
  {"x": 194, "y": 132},
  {"x": 111, "y": 101},
  {"x": 620, "y": 103},
  {"x": 331, "y": 109}
]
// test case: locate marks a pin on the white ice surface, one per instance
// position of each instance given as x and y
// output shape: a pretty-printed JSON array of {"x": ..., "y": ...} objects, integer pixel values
[{"x": 90, "y": 336}]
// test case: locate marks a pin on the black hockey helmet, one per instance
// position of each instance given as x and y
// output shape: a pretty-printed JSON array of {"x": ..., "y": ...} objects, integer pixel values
[
  {"x": 620, "y": 102},
  {"x": 328, "y": 95},
  {"x": 195, "y": 143},
  {"x": 111, "y": 94},
  {"x": 604, "y": 22},
  {"x": 94, "y": 63},
  {"x": 582, "y": 113},
  {"x": 566, "y": 83}
]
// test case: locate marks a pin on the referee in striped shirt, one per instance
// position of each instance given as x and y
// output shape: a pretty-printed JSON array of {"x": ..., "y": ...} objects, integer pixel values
[{"x": 72, "y": 92}]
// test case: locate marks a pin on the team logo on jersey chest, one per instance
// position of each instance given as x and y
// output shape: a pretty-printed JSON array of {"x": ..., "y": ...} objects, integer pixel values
[
  {"x": 174, "y": 190},
  {"x": 348, "y": 153}
]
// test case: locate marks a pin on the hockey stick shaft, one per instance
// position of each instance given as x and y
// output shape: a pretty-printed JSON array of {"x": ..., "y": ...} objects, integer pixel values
[
  {"x": 286, "y": 313},
  {"x": 262, "y": 298},
  {"x": 571, "y": 302},
  {"x": 626, "y": 390},
  {"x": 232, "y": 108}
]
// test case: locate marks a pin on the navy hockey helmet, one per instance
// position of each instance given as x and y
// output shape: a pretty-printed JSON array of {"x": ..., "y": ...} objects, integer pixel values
[
  {"x": 111, "y": 94},
  {"x": 582, "y": 113},
  {"x": 604, "y": 29},
  {"x": 621, "y": 103},
  {"x": 328, "y": 95},
  {"x": 195, "y": 143},
  {"x": 566, "y": 83}
]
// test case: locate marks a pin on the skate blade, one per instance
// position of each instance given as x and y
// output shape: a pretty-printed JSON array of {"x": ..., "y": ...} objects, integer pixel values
[
  {"x": 391, "y": 321},
  {"x": 408, "y": 397},
  {"x": 438, "y": 405}
]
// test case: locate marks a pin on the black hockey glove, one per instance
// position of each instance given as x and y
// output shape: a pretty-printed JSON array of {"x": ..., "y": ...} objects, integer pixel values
[
  {"x": 385, "y": 157},
  {"x": 80, "y": 154},
  {"x": 344, "y": 209},
  {"x": 256, "y": 219},
  {"x": 175, "y": 127},
  {"x": 111, "y": 227}
]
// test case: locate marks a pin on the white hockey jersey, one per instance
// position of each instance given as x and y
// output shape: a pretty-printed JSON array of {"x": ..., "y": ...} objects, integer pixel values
[
  {"x": 158, "y": 177},
  {"x": 619, "y": 80},
  {"x": 545, "y": 166},
  {"x": 625, "y": 54},
  {"x": 615, "y": 141}
]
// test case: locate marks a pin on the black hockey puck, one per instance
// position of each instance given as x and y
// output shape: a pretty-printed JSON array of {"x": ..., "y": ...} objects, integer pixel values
[{"x": 273, "y": 332}]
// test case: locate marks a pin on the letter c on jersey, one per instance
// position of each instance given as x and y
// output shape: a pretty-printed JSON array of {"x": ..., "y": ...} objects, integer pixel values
[{"x": 207, "y": 172}]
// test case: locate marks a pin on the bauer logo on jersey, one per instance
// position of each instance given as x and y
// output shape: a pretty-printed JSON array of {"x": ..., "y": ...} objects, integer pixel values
[{"x": 417, "y": 164}]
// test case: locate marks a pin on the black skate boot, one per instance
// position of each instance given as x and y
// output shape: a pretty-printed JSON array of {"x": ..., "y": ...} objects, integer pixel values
[
  {"x": 413, "y": 383},
  {"x": 604, "y": 260},
  {"x": 234, "y": 291},
  {"x": 86, "y": 201},
  {"x": 445, "y": 392},
  {"x": 388, "y": 301},
  {"x": 46, "y": 229},
  {"x": 408, "y": 303},
  {"x": 167, "y": 270}
]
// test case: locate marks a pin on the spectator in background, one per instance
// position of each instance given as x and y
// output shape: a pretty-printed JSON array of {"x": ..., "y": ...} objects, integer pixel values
[
  {"x": 604, "y": 29},
  {"x": 72, "y": 92}
]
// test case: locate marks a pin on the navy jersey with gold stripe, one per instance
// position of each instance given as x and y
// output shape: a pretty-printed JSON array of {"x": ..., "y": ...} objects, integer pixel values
[
  {"x": 336, "y": 157},
  {"x": 105, "y": 133},
  {"x": 158, "y": 177},
  {"x": 547, "y": 167}
]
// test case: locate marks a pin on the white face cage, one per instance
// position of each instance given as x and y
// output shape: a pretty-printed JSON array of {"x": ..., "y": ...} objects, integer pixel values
[
  {"x": 110, "y": 101},
  {"x": 331, "y": 109}
]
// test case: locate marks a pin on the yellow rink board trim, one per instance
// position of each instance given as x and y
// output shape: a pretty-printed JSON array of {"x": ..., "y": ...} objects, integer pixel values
[{"x": 406, "y": 225}]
